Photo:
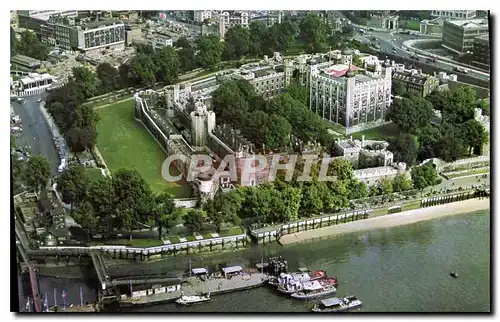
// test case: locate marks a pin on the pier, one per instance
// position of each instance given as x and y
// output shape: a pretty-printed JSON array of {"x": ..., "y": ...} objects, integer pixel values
[{"x": 195, "y": 286}]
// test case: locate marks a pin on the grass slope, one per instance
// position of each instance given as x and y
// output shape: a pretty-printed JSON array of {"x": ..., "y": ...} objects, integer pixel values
[{"x": 125, "y": 143}]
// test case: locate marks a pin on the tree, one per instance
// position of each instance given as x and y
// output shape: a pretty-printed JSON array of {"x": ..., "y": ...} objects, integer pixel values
[
  {"x": 457, "y": 105},
  {"x": 102, "y": 198},
  {"x": 411, "y": 114},
  {"x": 84, "y": 215},
  {"x": 73, "y": 183},
  {"x": 225, "y": 208},
  {"x": 386, "y": 186},
  {"x": 314, "y": 32},
  {"x": 424, "y": 176},
  {"x": 167, "y": 64},
  {"x": 398, "y": 88},
  {"x": 474, "y": 134},
  {"x": 451, "y": 145},
  {"x": 132, "y": 194},
  {"x": 288, "y": 208},
  {"x": 209, "y": 51},
  {"x": 257, "y": 38},
  {"x": 484, "y": 105},
  {"x": 312, "y": 198},
  {"x": 341, "y": 169},
  {"x": 31, "y": 46},
  {"x": 193, "y": 220},
  {"x": 13, "y": 42},
  {"x": 108, "y": 77},
  {"x": 356, "y": 61},
  {"x": 401, "y": 182},
  {"x": 405, "y": 148},
  {"x": 279, "y": 132},
  {"x": 143, "y": 66},
  {"x": 347, "y": 32},
  {"x": 237, "y": 41},
  {"x": 86, "y": 81},
  {"x": 81, "y": 139},
  {"x": 36, "y": 172},
  {"x": 163, "y": 210},
  {"x": 357, "y": 189},
  {"x": 298, "y": 92}
]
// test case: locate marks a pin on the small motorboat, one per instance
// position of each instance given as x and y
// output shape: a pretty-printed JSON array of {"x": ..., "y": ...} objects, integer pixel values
[
  {"x": 314, "y": 289},
  {"x": 335, "y": 304},
  {"x": 193, "y": 299},
  {"x": 454, "y": 274}
]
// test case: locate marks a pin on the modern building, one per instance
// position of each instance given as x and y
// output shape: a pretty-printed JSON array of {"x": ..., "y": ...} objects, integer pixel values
[
  {"x": 454, "y": 14},
  {"x": 201, "y": 15},
  {"x": 416, "y": 82},
  {"x": 458, "y": 35},
  {"x": 33, "y": 19},
  {"x": 482, "y": 52},
  {"x": 60, "y": 32},
  {"x": 32, "y": 84},
  {"x": 356, "y": 101},
  {"x": 228, "y": 19},
  {"x": 159, "y": 40},
  {"x": 100, "y": 34}
]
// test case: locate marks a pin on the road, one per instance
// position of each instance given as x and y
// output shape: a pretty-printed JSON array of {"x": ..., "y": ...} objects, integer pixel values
[{"x": 36, "y": 132}]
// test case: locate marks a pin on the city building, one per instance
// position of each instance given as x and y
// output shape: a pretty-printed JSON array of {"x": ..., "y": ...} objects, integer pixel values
[
  {"x": 201, "y": 15},
  {"x": 482, "y": 52},
  {"x": 132, "y": 32},
  {"x": 158, "y": 40},
  {"x": 274, "y": 17},
  {"x": 454, "y": 14},
  {"x": 100, "y": 34},
  {"x": 458, "y": 35},
  {"x": 228, "y": 19},
  {"x": 32, "y": 84},
  {"x": 33, "y": 19},
  {"x": 60, "y": 32},
  {"x": 386, "y": 21},
  {"x": 416, "y": 82},
  {"x": 355, "y": 100},
  {"x": 432, "y": 26}
]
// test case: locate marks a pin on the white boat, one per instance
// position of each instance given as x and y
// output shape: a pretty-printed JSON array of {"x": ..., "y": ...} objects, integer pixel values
[
  {"x": 335, "y": 304},
  {"x": 315, "y": 289},
  {"x": 193, "y": 299}
]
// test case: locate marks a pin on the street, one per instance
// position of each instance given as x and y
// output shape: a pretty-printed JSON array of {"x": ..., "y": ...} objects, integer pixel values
[{"x": 36, "y": 132}]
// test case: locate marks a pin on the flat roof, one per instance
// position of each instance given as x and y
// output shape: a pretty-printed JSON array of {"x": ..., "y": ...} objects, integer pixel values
[
  {"x": 470, "y": 23},
  {"x": 199, "y": 271},
  {"x": 232, "y": 269},
  {"x": 330, "y": 302}
]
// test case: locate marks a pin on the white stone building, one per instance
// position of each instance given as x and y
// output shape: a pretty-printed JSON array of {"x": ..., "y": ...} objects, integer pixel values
[
  {"x": 200, "y": 15},
  {"x": 356, "y": 101},
  {"x": 228, "y": 19}
]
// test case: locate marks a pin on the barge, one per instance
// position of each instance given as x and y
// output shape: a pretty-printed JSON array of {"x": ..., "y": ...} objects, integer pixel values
[
  {"x": 338, "y": 305},
  {"x": 232, "y": 279}
]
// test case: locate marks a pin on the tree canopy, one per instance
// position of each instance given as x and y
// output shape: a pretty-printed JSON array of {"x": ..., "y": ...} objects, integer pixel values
[{"x": 36, "y": 172}]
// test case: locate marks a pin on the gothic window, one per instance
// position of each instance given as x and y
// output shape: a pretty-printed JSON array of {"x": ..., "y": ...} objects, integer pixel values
[
  {"x": 356, "y": 104},
  {"x": 364, "y": 101}
]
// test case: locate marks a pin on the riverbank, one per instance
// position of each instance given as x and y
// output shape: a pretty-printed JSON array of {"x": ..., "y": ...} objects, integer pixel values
[{"x": 392, "y": 220}]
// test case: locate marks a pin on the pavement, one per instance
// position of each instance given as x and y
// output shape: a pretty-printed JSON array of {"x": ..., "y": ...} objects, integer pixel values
[{"x": 36, "y": 132}]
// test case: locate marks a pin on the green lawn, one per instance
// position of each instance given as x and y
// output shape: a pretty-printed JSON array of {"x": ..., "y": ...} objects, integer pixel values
[
  {"x": 469, "y": 173},
  {"x": 94, "y": 174},
  {"x": 413, "y": 25},
  {"x": 125, "y": 143},
  {"x": 231, "y": 231},
  {"x": 383, "y": 132}
]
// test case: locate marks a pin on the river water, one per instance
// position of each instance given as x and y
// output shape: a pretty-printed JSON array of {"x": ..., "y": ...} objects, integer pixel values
[{"x": 401, "y": 269}]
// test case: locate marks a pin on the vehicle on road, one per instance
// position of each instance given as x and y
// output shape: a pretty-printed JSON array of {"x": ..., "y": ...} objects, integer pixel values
[{"x": 461, "y": 70}]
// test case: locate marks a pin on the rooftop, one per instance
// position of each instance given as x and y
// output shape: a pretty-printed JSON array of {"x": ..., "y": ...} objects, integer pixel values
[
  {"x": 470, "y": 24},
  {"x": 339, "y": 70},
  {"x": 409, "y": 77}
]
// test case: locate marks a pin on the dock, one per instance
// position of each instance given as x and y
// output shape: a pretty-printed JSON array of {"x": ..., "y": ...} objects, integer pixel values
[{"x": 194, "y": 286}]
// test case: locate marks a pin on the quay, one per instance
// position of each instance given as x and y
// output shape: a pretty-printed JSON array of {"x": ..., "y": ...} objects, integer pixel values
[{"x": 194, "y": 285}]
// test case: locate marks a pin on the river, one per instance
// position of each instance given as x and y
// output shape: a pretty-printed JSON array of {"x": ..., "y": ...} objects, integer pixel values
[{"x": 401, "y": 269}]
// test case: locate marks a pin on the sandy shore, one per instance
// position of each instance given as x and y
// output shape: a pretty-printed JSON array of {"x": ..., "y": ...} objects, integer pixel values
[{"x": 392, "y": 220}]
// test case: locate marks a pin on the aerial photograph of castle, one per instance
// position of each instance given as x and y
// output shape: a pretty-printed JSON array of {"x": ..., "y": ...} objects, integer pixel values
[{"x": 250, "y": 161}]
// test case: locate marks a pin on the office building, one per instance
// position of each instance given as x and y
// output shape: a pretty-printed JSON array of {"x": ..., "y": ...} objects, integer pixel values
[
  {"x": 60, "y": 32},
  {"x": 454, "y": 14},
  {"x": 100, "y": 34},
  {"x": 482, "y": 52},
  {"x": 458, "y": 35}
]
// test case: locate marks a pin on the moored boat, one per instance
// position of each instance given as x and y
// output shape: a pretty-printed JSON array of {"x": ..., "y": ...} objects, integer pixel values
[
  {"x": 335, "y": 304},
  {"x": 315, "y": 289},
  {"x": 193, "y": 299}
]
